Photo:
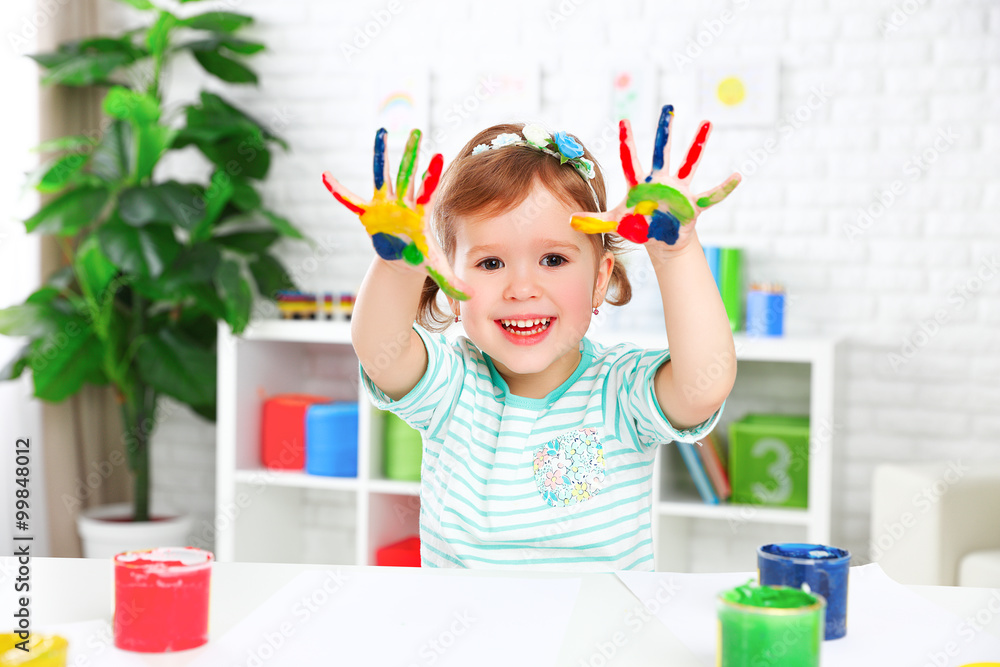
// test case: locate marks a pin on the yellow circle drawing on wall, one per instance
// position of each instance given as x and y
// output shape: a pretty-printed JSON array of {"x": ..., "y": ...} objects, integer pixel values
[{"x": 731, "y": 91}]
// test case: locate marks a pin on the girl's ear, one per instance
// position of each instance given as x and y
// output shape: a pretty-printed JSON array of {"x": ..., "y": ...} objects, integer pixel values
[{"x": 604, "y": 269}]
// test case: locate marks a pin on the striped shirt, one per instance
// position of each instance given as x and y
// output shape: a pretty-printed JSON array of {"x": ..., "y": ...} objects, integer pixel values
[{"x": 558, "y": 483}]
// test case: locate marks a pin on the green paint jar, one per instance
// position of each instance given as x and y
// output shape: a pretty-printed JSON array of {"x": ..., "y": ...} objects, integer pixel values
[{"x": 770, "y": 626}]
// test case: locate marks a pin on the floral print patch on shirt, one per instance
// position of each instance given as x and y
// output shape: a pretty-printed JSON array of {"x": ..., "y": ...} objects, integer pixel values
[{"x": 570, "y": 469}]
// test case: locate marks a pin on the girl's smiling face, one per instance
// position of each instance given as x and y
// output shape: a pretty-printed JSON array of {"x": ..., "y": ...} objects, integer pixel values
[{"x": 536, "y": 282}]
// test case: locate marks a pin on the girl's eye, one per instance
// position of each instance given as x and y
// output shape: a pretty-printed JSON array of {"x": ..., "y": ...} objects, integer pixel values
[
  {"x": 553, "y": 260},
  {"x": 490, "y": 264}
]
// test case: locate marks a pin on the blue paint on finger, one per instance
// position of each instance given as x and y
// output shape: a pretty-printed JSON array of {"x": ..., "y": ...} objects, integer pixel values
[
  {"x": 664, "y": 227},
  {"x": 662, "y": 134},
  {"x": 388, "y": 246},
  {"x": 379, "y": 164}
]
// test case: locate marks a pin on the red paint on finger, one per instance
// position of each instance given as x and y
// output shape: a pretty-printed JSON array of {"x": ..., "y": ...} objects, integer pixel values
[
  {"x": 626, "y": 154},
  {"x": 354, "y": 207},
  {"x": 695, "y": 152},
  {"x": 431, "y": 179}
]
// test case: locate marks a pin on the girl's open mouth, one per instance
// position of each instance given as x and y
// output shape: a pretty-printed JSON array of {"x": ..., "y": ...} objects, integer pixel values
[{"x": 526, "y": 332}]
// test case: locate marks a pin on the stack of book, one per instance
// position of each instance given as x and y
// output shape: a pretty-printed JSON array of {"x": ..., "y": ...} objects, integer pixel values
[{"x": 706, "y": 462}]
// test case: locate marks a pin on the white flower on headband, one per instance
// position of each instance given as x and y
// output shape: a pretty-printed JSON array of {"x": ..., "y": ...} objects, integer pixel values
[
  {"x": 505, "y": 140},
  {"x": 586, "y": 167},
  {"x": 536, "y": 136},
  {"x": 481, "y": 148}
]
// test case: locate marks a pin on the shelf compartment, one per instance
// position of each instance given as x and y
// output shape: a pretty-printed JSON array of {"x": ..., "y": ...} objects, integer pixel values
[{"x": 732, "y": 512}]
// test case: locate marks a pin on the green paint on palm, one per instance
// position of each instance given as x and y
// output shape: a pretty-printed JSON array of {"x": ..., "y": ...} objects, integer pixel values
[
  {"x": 676, "y": 201},
  {"x": 446, "y": 287},
  {"x": 407, "y": 165},
  {"x": 412, "y": 254}
]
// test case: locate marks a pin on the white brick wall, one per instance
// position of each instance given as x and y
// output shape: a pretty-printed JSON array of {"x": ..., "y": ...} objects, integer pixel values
[{"x": 890, "y": 94}]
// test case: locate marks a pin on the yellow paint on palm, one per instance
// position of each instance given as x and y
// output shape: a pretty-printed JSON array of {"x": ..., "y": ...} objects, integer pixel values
[{"x": 645, "y": 207}]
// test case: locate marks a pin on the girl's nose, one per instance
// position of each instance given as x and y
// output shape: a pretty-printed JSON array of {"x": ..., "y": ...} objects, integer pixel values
[{"x": 522, "y": 283}]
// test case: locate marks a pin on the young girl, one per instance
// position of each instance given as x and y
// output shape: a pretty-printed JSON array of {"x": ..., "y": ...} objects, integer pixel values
[{"x": 538, "y": 443}]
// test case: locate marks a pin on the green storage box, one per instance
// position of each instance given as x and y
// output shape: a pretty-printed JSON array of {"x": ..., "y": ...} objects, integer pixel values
[
  {"x": 769, "y": 460},
  {"x": 403, "y": 449}
]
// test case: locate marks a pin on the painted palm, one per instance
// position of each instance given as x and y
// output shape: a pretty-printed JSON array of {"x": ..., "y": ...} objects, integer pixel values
[
  {"x": 396, "y": 221},
  {"x": 660, "y": 207}
]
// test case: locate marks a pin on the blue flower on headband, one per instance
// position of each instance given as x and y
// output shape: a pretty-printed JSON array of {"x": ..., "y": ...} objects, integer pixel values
[
  {"x": 505, "y": 140},
  {"x": 568, "y": 146}
]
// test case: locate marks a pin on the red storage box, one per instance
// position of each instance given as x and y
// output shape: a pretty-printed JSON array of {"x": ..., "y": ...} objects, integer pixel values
[
  {"x": 283, "y": 430},
  {"x": 405, "y": 553}
]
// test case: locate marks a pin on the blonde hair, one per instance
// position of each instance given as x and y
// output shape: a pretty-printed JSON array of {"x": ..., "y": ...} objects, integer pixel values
[{"x": 496, "y": 181}]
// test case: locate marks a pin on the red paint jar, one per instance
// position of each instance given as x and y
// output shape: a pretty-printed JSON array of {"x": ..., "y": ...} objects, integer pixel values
[{"x": 161, "y": 599}]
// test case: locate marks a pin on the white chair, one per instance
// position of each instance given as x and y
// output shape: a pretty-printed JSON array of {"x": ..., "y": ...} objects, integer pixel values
[{"x": 938, "y": 523}]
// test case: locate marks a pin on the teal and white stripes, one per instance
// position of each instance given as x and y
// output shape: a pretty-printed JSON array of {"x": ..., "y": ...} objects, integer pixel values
[{"x": 560, "y": 483}]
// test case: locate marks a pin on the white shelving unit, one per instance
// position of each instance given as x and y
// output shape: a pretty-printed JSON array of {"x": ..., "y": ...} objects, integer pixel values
[{"x": 260, "y": 513}]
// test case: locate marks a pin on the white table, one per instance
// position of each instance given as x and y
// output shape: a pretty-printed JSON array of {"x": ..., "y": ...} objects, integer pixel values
[{"x": 67, "y": 590}]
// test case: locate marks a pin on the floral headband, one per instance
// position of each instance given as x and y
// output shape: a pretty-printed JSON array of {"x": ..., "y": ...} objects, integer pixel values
[{"x": 560, "y": 145}]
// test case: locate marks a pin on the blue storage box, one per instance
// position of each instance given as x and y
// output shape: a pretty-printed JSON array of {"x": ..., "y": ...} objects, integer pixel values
[{"x": 332, "y": 439}]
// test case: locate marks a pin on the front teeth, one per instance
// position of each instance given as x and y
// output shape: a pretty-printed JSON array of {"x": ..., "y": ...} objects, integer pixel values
[{"x": 524, "y": 323}]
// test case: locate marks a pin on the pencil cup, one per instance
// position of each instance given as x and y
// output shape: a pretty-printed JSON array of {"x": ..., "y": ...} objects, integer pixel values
[
  {"x": 161, "y": 599},
  {"x": 765, "y": 313},
  {"x": 769, "y": 625},
  {"x": 824, "y": 569}
]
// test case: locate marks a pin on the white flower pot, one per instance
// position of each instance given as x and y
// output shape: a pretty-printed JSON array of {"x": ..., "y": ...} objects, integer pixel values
[{"x": 108, "y": 530}]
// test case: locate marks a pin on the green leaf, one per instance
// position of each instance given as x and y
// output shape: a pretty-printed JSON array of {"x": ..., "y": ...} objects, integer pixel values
[
  {"x": 158, "y": 35},
  {"x": 120, "y": 102},
  {"x": 69, "y": 213},
  {"x": 146, "y": 251},
  {"x": 235, "y": 293},
  {"x": 218, "y": 40},
  {"x": 85, "y": 70},
  {"x": 93, "y": 270},
  {"x": 195, "y": 265},
  {"x": 220, "y": 190},
  {"x": 17, "y": 364},
  {"x": 112, "y": 158},
  {"x": 248, "y": 243},
  {"x": 270, "y": 276},
  {"x": 66, "y": 143},
  {"x": 282, "y": 225},
  {"x": 245, "y": 197},
  {"x": 171, "y": 202},
  {"x": 29, "y": 319},
  {"x": 63, "y": 362},
  {"x": 139, "y": 4},
  {"x": 176, "y": 366},
  {"x": 225, "y": 68},
  {"x": 218, "y": 21},
  {"x": 61, "y": 172},
  {"x": 142, "y": 111}
]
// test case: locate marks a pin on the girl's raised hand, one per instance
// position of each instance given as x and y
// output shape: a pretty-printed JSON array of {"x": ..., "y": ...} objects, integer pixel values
[
  {"x": 660, "y": 207},
  {"x": 397, "y": 223}
]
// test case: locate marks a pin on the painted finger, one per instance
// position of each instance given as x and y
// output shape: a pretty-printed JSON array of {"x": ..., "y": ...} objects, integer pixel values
[
  {"x": 719, "y": 192},
  {"x": 439, "y": 268},
  {"x": 598, "y": 223},
  {"x": 380, "y": 166},
  {"x": 343, "y": 195},
  {"x": 630, "y": 161},
  {"x": 686, "y": 172},
  {"x": 661, "y": 148},
  {"x": 430, "y": 180},
  {"x": 405, "y": 180}
]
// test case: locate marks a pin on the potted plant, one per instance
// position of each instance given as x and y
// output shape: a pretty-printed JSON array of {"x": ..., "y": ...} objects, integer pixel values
[{"x": 151, "y": 265}]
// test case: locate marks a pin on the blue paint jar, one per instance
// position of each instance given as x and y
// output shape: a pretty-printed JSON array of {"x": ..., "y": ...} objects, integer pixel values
[
  {"x": 332, "y": 439},
  {"x": 765, "y": 313},
  {"x": 825, "y": 569}
]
